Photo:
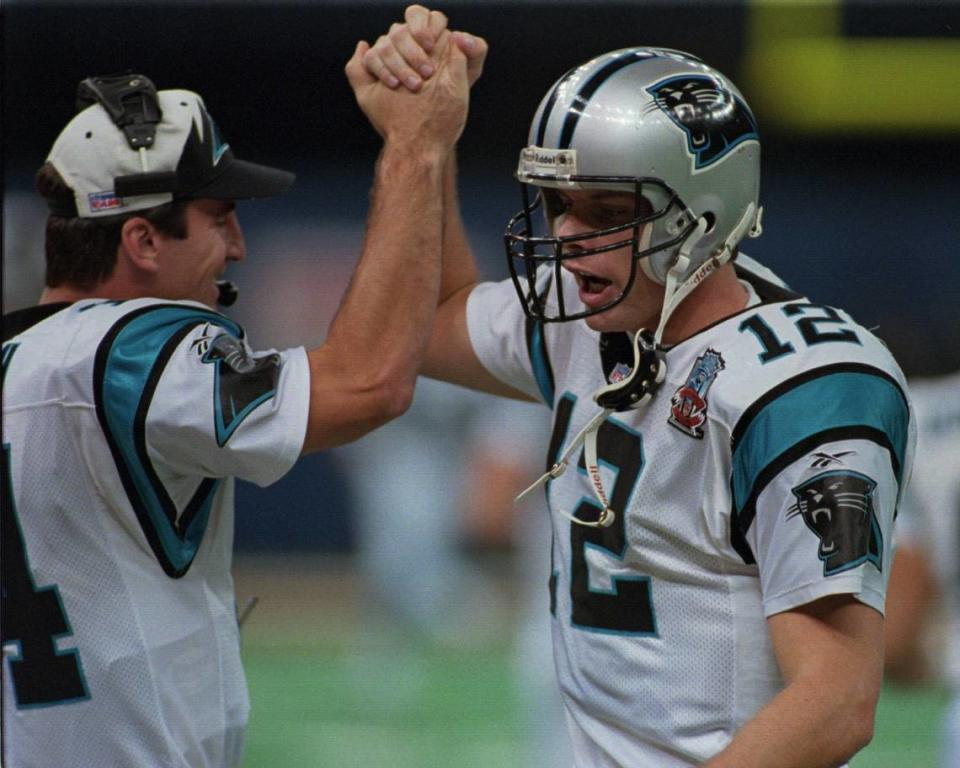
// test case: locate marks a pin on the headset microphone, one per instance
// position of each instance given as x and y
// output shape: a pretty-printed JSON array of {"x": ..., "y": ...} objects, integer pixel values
[{"x": 228, "y": 293}]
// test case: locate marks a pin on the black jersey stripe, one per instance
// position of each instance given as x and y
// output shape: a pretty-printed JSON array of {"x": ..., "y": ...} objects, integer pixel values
[
  {"x": 839, "y": 397},
  {"x": 561, "y": 427},
  {"x": 199, "y": 504},
  {"x": 9, "y": 350}
]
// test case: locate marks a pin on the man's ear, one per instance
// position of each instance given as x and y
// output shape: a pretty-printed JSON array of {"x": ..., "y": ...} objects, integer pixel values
[{"x": 140, "y": 241}]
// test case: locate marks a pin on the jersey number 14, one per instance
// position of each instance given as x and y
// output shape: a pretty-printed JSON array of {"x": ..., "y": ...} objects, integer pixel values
[{"x": 33, "y": 619}]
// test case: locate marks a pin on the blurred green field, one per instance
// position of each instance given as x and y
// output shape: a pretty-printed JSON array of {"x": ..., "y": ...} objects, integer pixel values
[
  {"x": 335, "y": 708},
  {"x": 325, "y": 695},
  {"x": 412, "y": 709}
]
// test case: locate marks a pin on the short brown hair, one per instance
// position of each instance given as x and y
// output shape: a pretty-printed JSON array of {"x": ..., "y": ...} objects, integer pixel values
[{"x": 83, "y": 251}]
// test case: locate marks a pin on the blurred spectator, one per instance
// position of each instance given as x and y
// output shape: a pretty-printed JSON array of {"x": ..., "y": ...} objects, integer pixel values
[
  {"x": 926, "y": 570},
  {"x": 24, "y": 217},
  {"x": 434, "y": 494}
]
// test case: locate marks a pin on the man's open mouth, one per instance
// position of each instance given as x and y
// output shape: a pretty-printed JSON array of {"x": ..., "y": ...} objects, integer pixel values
[{"x": 591, "y": 284}]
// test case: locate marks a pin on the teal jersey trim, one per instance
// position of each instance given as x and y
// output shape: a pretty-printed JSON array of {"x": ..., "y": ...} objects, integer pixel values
[
  {"x": 837, "y": 402},
  {"x": 130, "y": 361},
  {"x": 540, "y": 361}
]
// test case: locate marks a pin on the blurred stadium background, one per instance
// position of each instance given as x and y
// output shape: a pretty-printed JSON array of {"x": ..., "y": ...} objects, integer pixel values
[{"x": 857, "y": 104}]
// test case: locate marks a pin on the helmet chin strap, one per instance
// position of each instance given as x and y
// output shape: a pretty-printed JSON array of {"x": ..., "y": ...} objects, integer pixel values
[
  {"x": 590, "y": 428},
  {"x": 649, "y": 366},
  {"x": 674, "y": 294}
]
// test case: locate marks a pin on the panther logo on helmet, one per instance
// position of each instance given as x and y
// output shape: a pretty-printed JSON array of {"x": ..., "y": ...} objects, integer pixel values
[
  {"x": 713, "y": 118},
  {"x": 689, "y": 149}
]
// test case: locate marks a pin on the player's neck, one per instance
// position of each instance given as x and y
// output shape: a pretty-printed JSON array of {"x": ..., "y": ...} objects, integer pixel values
[
  {"x": 720, "y": 296},
  {"x": 70, "y": 293},
  {"x": 65, "y": 293}
]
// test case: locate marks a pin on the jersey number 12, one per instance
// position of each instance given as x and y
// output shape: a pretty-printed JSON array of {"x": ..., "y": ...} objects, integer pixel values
[{"x": 627, "y": 607}]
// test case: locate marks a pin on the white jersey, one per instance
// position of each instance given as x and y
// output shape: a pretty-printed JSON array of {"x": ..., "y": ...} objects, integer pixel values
[
  {"x": 763, "y": 475},
  {"x": 930, "y": 518},
  {"x": 123, "y": 426}
]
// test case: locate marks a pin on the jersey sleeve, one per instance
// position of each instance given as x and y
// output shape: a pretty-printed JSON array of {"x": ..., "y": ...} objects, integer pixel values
[
  {"x": 180, "y": 393},
  {"x": 818, "y": 468},
  {"x": 825, "y": 527},
  {"x": 227, "y": 410},
  {"x": 510, "y": 346}
]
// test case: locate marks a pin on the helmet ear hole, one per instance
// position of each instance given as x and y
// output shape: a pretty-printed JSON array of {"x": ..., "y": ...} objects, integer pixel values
[{"x": 711, "y": 222}]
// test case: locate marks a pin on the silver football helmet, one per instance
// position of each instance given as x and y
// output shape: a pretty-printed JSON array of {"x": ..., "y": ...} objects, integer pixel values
[{"x": 656, "y": 122}]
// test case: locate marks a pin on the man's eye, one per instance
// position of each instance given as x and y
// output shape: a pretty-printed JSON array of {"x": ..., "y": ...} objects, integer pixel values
[
  {"x": 555, "y": 204},
  {"x": 614, "y": 215}
]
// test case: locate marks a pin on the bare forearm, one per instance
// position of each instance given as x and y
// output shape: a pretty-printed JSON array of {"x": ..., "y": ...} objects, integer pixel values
[
  {"x": 831, "y": 654},
  {"x": 807, "y": 725},
  {"x": 459, "y": 266},
  {"x": 386, "y": 312},
  {"x": 450, "y": 356},
  {"x": 368, "y": 365}
]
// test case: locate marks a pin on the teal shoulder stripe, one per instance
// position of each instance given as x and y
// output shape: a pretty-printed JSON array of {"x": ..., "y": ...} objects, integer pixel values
[
  {"x": 835, "y": 401},
  {"x": 130, "y": 360},
  {"x": 540, "y": 360}
]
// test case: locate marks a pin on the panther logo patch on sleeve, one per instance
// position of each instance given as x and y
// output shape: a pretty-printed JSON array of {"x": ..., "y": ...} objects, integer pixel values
[
  {"x": 713, "y": 118},
  {"x": 838, "y": 507},
  {"x": 241, "y": 382}
]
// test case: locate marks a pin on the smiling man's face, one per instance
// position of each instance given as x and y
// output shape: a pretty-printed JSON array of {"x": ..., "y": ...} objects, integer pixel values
[{"x": 191, "y": 266}]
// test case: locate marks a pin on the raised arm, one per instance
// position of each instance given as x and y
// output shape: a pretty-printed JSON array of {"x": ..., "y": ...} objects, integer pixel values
[
  {"x": 363, "y": 375},
  {"x": 401, "y": 60}
]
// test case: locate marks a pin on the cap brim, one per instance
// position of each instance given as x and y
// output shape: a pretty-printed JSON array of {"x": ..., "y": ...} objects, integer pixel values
[{"x": 242, "y": 180}]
